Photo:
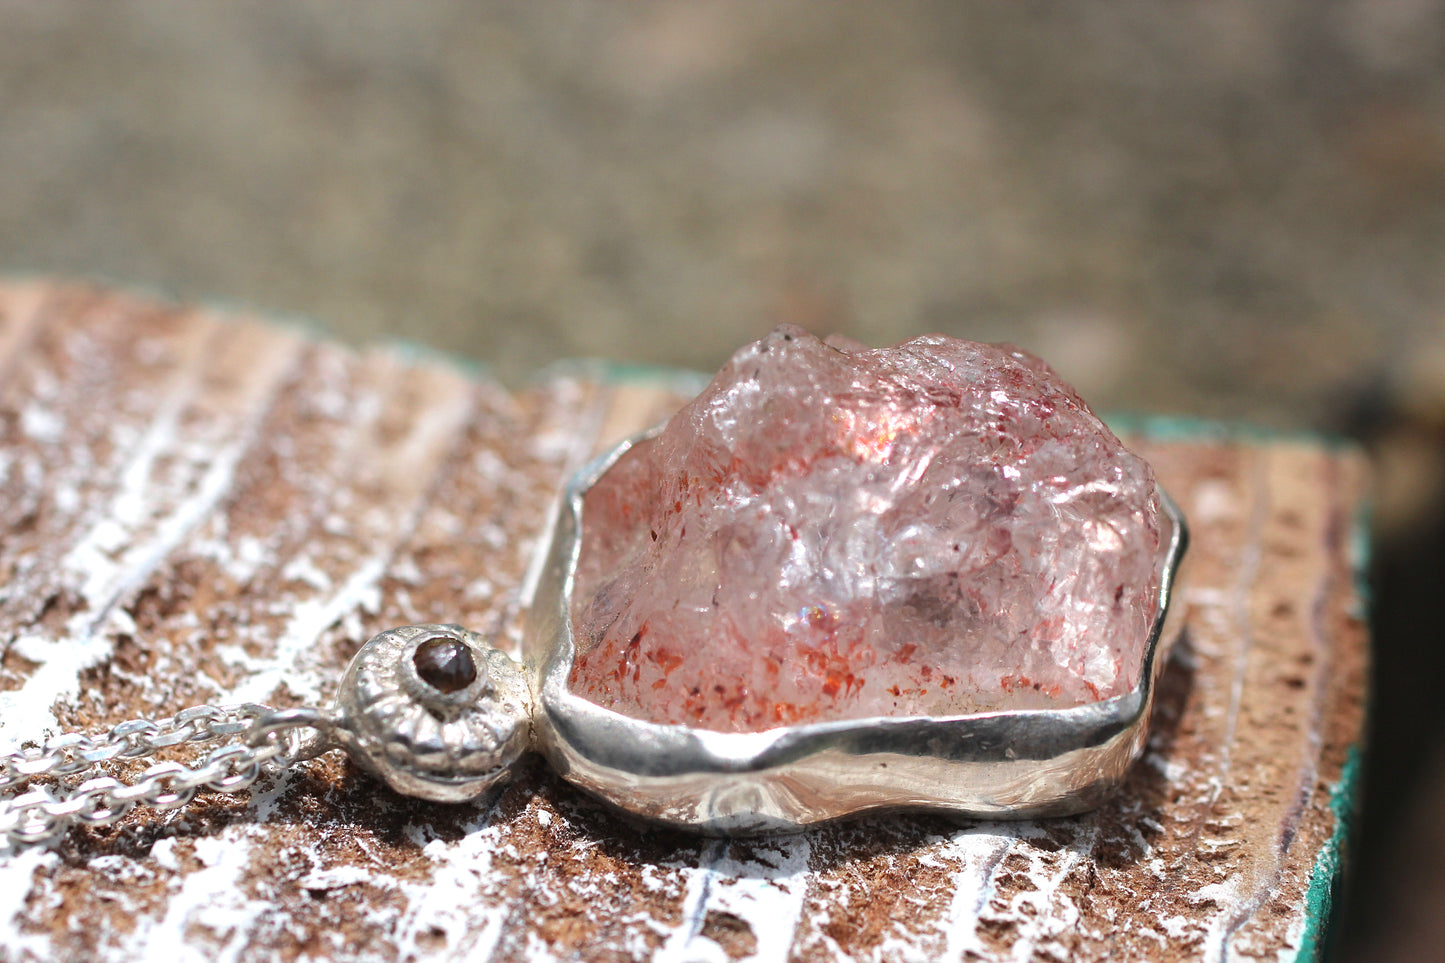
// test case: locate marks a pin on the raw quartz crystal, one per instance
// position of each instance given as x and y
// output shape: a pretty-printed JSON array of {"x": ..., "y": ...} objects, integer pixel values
[{"x": 833, "y": 532}]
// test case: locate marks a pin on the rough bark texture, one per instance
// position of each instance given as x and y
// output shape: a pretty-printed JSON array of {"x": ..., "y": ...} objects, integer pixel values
[{"x": 198, "y": 509}]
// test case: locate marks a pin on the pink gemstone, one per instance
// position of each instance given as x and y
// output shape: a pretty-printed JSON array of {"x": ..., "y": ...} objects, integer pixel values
[{"x": 832, "y": 532}]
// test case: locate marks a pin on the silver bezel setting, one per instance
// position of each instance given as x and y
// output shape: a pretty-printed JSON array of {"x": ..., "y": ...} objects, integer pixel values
[{"x": 1012, "y": 764}]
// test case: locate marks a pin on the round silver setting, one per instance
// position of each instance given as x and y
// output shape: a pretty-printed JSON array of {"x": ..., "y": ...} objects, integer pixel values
[
  {"x": 423, "y": 742},
  {"x": 1012, "y": 764}
]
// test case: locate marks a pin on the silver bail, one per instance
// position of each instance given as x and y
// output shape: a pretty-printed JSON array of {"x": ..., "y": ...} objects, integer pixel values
[{"x": 434, "y": 711}]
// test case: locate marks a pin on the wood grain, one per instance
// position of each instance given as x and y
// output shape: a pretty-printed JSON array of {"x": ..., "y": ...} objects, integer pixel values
[{"x": 198, "y": 508}]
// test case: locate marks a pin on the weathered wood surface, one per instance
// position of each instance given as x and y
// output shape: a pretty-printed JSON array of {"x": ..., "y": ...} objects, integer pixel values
[{"x": 203, "y": 509}]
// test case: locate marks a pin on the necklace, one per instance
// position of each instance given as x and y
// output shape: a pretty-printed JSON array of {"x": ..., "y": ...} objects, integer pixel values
[{"x": 945, "y": 589}]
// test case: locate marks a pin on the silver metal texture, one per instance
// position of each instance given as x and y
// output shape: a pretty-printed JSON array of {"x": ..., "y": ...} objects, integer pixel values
[
  {"x": 1010, "y": 764},
  {"x": 261, "y": 739},
  {"x": 442, "y": 746}
]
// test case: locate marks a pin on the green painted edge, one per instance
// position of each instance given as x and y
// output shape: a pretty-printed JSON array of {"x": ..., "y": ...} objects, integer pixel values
[
  {"x": 1322, "y": 900},
  {"x": 1360, "y": 547},
  {"x": 1188, "y": 428},
  {"x": 304, "y": 326},
  {"x": 414, "y": 352}
]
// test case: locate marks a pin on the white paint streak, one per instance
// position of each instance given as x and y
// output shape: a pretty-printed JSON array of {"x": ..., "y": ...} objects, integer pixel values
[
  {"x": 696, "y": 880},
  {"x": 457, "y": 904},
  {"x": 41, "y": 424},
  {"x": 337, "y": 878},
  {"x": 422, "y": 452},
  {"x": 1221, "y": 896},
  {"x": 975, "y": 854},
  {"x": 207, "y": 900},
  {"x": 312, "y": 617},
  {"x": 107, "y": 571},
  {"x": 765, "y": 888},
  {"x": 147, "y": 519},
  {"x": 303, "y": 569},
  {"x": 17, "y": 882}
]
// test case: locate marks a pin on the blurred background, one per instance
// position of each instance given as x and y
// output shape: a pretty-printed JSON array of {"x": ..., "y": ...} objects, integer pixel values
[{"x": 1233, "y": 209}]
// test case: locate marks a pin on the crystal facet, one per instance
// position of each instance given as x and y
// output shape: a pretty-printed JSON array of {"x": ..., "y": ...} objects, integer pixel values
[
  {"x": 445, "y": 664},
  {"x": 833, "y": 532}
]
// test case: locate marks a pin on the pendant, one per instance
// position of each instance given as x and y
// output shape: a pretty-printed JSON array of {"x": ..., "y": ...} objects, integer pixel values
[{"x": 839, "y": 581}]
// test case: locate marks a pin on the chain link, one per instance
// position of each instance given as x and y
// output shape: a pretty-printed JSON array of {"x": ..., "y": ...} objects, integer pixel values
[{"x": 263, "y": 739}]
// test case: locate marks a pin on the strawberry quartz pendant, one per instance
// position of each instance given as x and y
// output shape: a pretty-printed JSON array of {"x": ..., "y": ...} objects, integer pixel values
[{"x": 844, "y": 579}]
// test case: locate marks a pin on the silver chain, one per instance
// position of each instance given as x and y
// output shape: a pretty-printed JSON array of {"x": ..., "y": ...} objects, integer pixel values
[{"x": 261, "y": 739}]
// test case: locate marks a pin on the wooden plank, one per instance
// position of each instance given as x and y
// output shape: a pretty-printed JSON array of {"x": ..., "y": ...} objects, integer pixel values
[{"x": 207, "y": 509}]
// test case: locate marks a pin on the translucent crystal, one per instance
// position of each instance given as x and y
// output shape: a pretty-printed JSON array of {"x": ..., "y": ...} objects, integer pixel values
[{"x": 833, "y": 532}]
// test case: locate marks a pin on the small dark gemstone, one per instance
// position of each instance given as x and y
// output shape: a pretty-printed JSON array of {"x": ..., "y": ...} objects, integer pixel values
[{"x": 445, "y": 664}]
